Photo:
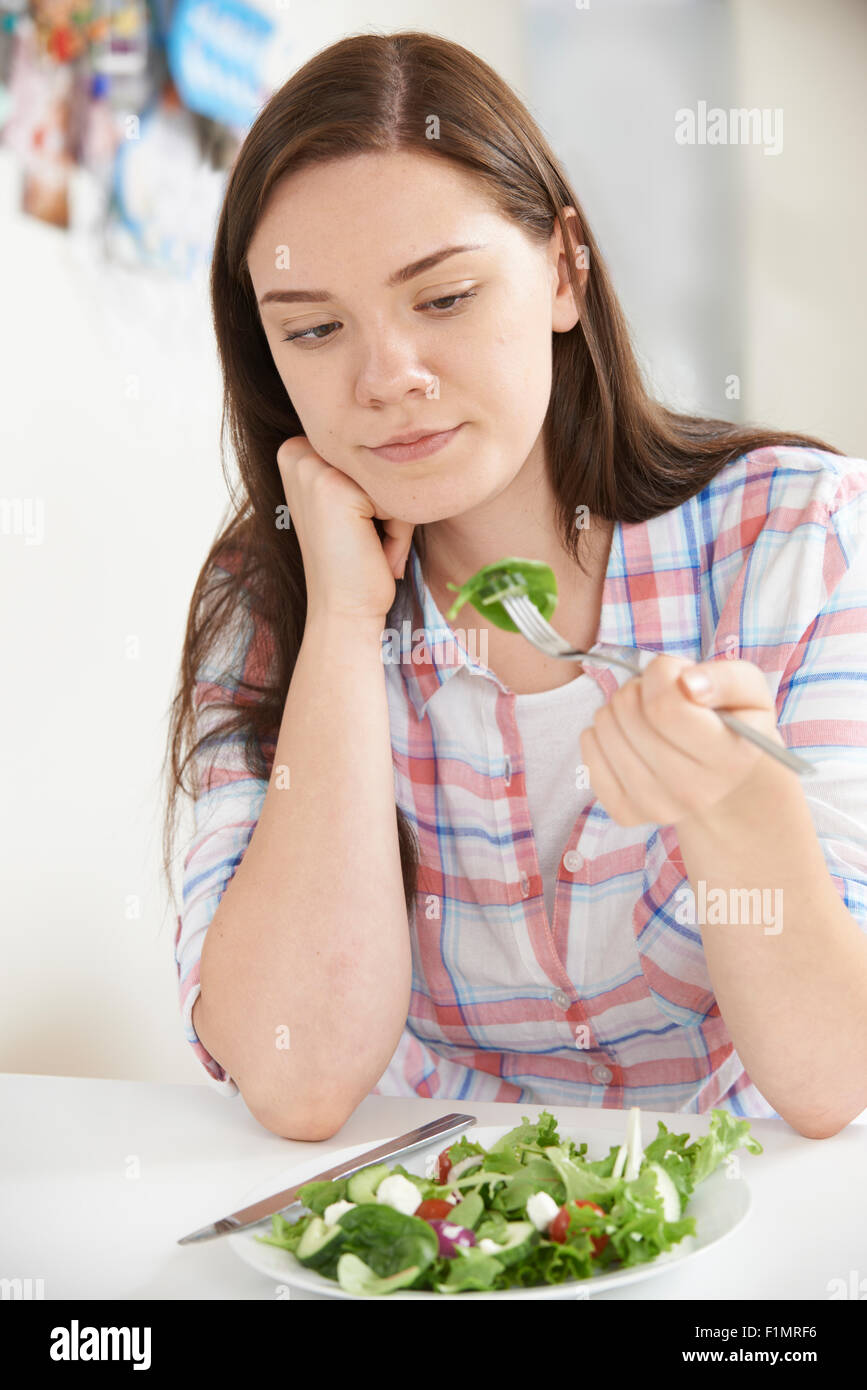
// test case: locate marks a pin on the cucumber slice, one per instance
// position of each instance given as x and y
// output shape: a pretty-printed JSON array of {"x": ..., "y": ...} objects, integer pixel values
[
  {"x": 319, "y": 1243},
  {"x": 363, "y": 1184},
  {"x": 522, "y": 1236},
  {"x": 357, "y": 1278}
]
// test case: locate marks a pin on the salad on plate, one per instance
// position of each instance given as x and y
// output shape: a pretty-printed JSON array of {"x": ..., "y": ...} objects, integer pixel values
[{"x": 531, "y": 1209}]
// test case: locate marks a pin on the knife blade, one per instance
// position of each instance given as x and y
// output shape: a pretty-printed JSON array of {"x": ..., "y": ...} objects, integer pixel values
[{"x": 259, "y": 1212}]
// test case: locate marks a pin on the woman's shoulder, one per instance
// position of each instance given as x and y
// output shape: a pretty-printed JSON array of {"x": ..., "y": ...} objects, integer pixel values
[
  {"x": 781, "y": 487},
  {"x": 794, "y": 467},
  {"x": 783, "y": 531}
]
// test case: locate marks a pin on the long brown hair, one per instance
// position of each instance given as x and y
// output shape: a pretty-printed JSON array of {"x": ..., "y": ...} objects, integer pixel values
[{"x": 609, "y": 444}]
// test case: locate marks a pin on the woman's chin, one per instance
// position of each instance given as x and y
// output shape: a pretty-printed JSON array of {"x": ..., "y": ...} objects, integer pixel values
[
  {"x": 421, "y": 515},
  {"x": 426, "y": 501}
]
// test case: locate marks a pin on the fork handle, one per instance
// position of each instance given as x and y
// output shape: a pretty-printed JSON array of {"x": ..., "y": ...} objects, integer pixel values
[{"x": 783, "y": 755}]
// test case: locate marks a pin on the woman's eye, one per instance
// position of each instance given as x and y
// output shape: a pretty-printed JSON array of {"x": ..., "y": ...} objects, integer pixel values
[
  {"x": 468, "y": 294},
  {"x": 306, "y": 334},
  {"x": 295, "y": 337}
]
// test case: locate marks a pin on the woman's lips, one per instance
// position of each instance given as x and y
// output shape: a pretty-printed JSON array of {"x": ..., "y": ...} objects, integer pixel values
[{"x": 431, "y": 444}]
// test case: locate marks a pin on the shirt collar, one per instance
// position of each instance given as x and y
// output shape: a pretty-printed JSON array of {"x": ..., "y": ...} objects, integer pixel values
[
  {"x": 420, "y": 642},
  {"x": 651, "y": 601}
]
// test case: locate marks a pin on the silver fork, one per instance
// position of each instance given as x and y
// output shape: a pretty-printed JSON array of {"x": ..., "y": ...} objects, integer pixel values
[{"x": 526, "y": 617}]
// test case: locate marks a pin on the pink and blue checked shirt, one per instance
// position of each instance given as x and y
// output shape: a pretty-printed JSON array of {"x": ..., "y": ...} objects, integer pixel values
[{"x": 608, "y": 1002}]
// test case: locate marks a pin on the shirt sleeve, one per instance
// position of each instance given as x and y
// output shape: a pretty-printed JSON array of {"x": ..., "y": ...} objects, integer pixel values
[
  {"x": 227, "y": 805},
  {"x": 822, "y": 694}
]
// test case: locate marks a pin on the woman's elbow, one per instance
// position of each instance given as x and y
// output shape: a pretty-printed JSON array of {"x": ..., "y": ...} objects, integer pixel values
[{"x": 308, "y": 1124}]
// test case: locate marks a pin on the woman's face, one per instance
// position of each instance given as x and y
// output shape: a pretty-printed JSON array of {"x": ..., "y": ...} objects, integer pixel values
[{"x": 368, "y": 355}]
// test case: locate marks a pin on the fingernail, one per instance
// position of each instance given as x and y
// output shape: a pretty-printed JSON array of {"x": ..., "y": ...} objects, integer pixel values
[{"x": 696, "y": 682}]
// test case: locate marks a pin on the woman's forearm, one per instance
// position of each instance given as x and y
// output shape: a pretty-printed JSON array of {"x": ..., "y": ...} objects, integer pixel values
[
  {"x": 791, "y": 980},
  {"x": 309, "y": 945}
]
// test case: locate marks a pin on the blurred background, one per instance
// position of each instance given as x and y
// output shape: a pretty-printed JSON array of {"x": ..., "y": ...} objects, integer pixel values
[{"x": 739, "y": 266}]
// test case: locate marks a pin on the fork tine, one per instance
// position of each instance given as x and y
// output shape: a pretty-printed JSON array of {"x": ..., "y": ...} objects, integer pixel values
[
  {"x": 539, "y": 631},
  {"x": 527, "y": 618},
  {"x": 533, "y": 619},
  {"x": 554, "y": 643},
  {"x": 540, "y": 623}
]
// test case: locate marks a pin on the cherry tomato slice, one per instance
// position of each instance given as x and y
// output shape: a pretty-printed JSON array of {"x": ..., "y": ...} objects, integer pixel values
[
  {"x": 560, "y": 1225},
  {"x": 434, "y": 1209}
]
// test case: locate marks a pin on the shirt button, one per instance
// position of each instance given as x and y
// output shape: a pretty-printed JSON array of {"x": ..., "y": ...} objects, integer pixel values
[
  {"x": 525, "y": 885},
  {"x": 507, "y": 772},
  {"x": 560, "y": 998},
  {"x": 573, "y": 860},
  {"x": 601, "y": 1073}
]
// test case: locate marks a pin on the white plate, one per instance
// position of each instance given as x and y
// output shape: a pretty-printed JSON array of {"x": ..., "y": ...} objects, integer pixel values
[{"x": 719, "y": 1205}]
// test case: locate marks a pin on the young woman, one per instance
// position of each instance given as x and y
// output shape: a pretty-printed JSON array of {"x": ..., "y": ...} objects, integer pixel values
[{"x": 592, "y": 892}]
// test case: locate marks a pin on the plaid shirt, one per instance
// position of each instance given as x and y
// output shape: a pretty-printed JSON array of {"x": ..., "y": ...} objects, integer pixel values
[{"x": 610, "y": 1002}]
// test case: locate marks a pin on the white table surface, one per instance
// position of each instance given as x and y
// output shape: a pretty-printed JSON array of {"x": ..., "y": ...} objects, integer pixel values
[{"x": 99, "y": 1179}]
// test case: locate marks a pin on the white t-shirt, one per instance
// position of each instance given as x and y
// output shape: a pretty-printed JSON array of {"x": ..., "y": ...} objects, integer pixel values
[{"x": 550, "y": 723}]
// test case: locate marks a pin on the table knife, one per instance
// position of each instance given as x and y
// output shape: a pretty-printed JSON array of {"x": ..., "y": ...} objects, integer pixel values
[{"x": 259, "y": 1212}]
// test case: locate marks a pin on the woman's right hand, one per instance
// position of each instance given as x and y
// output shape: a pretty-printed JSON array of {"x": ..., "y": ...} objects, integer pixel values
[{"x": 349, "y": 571}]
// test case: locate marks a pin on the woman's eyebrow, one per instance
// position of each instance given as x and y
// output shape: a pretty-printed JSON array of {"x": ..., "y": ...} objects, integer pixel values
[{"x": 398, "y": 277}]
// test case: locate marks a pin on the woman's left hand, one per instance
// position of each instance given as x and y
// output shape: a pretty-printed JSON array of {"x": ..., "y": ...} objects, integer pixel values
[{"x": 656, "y": 753}]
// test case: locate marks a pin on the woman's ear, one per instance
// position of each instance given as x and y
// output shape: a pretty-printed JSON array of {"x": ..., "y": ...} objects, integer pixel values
[{"x": 566, "y": 311}]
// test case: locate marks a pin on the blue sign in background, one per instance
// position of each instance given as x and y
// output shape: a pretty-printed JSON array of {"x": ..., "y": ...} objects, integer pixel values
[{"x": 216, "y": 53}]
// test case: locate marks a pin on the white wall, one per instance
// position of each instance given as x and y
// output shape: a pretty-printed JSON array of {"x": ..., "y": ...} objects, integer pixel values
[
  {"x": 609, "y": 79},
  {"x": 805, "y": 292},
  {"x": 110, "y": 417}
]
